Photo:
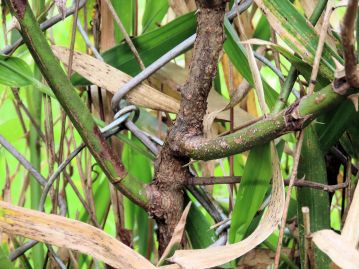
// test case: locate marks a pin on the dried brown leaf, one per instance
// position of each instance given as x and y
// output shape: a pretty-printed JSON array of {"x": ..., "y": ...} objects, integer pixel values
[{"x": 72, "y": 234}]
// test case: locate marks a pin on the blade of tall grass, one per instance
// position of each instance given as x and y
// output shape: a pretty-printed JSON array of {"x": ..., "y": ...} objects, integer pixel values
[{"x": 312, "y": 167}]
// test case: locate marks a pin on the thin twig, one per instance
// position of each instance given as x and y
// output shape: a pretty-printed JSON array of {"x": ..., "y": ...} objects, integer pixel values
[
  {"x": 320, "y": 47},
  {"x": 73, "y": 38},
  {"x": 28, "y": 166},
  {"x": 88, "y": 41},
  {"x": 287, "y": 199},
  {"x": 28, "y": 114},
  {"x": 125, "y": 34},
  {"x": 43, "y": 26},
  {"x": 300, "y": 183}
]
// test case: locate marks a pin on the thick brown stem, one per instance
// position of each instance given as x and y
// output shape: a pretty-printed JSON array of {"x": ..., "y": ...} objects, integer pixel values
[
  {"x": 351, "y": 72},
  {"x": 167, "y": 200}
]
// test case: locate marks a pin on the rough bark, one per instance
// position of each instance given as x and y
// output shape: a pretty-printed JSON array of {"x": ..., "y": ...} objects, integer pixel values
[{"x": 167, "y": 200}]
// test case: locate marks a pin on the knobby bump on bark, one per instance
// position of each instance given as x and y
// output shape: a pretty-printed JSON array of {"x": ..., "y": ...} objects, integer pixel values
[{"x": 167, "y": 190}]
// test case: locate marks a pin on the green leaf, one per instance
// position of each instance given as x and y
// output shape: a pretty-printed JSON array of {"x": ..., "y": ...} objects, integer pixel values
[
  {"x": 312, "y": 167},
  {"x": 298, "y": 34},
  {"x": 151, "y": 46},
  {"x": 5, "y": 263},
  {"x": 155, "y": 10},
  {"x": 125, "y": 10},
  {"x": 262, "y": 30},
  {"x": 332, "y": 124},
  {"x": 251, "y": 192},
  {"x": 14, "y": 72},
  {"x": 132, "y": 161},
  {"x": 198, "y": 228}
]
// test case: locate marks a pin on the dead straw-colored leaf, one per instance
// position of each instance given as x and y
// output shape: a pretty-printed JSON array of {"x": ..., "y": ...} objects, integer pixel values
[
  {"x": 72, "y": 234},
  {"x": 351, "y": 229},
  {"x": 176, "y": 239},
  {"x": 339, "y": 250},
  {"x": 111, "y": 79}
]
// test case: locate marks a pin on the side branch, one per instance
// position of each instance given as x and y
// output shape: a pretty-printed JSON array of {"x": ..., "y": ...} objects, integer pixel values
[
  {"x": 294, "y": 118},
  {"x": 72, "y": 104}
]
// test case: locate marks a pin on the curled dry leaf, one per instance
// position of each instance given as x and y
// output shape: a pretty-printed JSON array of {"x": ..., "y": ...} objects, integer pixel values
[
  {"x": 257, "y": 79},
  {"x": 340, "y": 251},
  {"x": 351, "y": 229},
  {"x": 215, "y": 256},
  {"x": 72, "y": 234},
  {"x": 176, "y": 237}
]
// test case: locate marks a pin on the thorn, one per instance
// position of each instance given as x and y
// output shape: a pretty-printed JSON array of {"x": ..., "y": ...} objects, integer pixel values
[
  {"x": 61, "y": 6},
  {"x": 354, "y": 98},
  {"x": 339, "y": 69},
  {"x": 14, "y": 24},
  {"x": 189, "y": 163}
]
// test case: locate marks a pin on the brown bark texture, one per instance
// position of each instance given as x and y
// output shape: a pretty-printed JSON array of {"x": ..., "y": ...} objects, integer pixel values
[{"x": 167, "y": 190}]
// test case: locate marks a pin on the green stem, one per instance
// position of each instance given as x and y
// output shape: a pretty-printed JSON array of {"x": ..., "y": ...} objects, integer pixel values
[
  {"x": 34, "y": 99},
  {"x": 294, "y": 118},
  {"x": 77, "y": 111}
]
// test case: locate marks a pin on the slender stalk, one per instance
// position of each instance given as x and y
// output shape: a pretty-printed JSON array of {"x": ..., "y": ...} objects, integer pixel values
[
  {"x": 125, "y": 34},
  {"x": 287, "y": 199},
  {"x": 73, "y": 105},
  {"x": 34, "y": 99}
]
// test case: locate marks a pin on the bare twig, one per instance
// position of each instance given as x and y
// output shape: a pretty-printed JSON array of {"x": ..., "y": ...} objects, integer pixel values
[
  {"x": 88, "y": 41},
  {"x": 43, "y": 26},
  {"x": 28, "y": 114},
  {"x": 125, "y": 34},
  {"x": 287, "y": 199},
  {"x": 73, "y": 38},
  {"x": 237, "y": 179},
  {"x": 28, "y": 166},
  {"x": 318, "y": 54},
  {"x": 244, "y": 125}
]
